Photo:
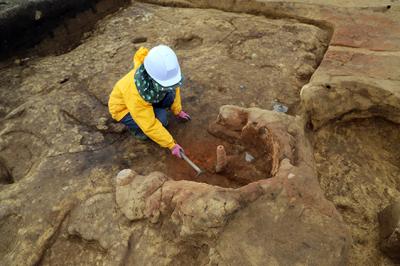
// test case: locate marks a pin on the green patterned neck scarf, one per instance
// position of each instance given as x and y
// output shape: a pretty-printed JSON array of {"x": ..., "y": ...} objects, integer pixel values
[{"x": 149, "y": 89}]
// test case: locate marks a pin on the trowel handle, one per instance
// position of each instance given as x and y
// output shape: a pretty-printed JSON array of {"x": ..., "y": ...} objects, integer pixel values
[{"x": 195, "y": 167}]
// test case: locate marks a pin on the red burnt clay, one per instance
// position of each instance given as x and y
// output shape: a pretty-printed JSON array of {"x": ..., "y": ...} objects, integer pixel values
[{"x": 202, "y": 152}]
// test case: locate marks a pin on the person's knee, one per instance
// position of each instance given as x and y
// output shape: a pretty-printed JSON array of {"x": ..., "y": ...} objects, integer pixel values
[
  {"x": 161, "y": 115},
  {"x": 164, "y": 121},
  {"x": 129, "y": 122}
]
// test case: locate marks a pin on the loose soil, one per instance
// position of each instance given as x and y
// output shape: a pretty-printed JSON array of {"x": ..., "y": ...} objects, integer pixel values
[
  {"x": 238, "y": 171},
  {"x": 202, "y": 153}
]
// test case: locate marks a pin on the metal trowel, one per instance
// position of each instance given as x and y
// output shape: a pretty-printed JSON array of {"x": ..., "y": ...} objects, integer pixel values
[{"x": 192, "y": 164}]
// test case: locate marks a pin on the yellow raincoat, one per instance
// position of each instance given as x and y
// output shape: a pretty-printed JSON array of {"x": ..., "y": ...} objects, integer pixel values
[{"x": 125, "y": 99}]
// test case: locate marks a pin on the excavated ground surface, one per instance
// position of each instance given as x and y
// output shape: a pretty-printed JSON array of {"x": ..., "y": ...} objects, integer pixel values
[
  {"x": 203, "y": 153},
  {"x": 217, "y": 72},
  {"x": 58, "y": 142},
  {"x": 59, "y": 146},
  {"x": 247, "y": 161},
  {"x": 358, "y": 165}
]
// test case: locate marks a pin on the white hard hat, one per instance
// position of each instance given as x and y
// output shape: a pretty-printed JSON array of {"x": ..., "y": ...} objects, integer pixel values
[{"x": 162, "y": 65}]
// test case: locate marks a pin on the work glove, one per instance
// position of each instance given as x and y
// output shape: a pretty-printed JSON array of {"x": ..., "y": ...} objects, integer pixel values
[
  {"x": 177, "y": 150},
  {"x": 184, "y": 116}
]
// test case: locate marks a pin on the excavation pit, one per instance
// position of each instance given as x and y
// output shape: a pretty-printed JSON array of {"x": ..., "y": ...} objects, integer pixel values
[{"x": 247, "y": 162}]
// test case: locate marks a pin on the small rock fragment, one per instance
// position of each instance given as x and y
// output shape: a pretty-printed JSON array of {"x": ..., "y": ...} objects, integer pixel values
[
  {"x": 248, "y": 157},
  {"x": 101, "y": 124},
  {"x": 278, "y": 107},
  {"x": 102, "y": 127},
  {"x": 102, "y": 120},
  {"x": 38, "y": 15},
  {"x": 125, "y": 176},
  {"x": 20, "y": 62}
]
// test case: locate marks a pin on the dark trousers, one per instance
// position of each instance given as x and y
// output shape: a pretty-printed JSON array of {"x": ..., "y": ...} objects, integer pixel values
[{"x": 160, "y": 111}]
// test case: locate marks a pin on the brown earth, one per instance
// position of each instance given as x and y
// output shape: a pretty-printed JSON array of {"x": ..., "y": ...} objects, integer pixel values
[
  {"x": 358, "y": 165},
  {"x": 202, "y": 153},
  {"x": 337, "y": 69},
  {"x": 239, "y": 171}
]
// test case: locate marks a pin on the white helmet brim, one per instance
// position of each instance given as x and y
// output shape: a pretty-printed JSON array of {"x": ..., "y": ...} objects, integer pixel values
[{"x": 162, "y": 65}]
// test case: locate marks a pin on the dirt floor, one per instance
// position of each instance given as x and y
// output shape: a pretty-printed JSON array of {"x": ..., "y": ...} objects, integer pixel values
[{"x": 227, "y": 58}]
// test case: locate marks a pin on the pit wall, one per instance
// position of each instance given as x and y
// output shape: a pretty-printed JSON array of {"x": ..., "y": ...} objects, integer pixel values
[{"x": 63, "y": 22}]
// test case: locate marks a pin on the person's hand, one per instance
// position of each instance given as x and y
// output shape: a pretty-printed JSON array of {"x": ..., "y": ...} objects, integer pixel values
[
  {"x": 184, "y": 116},
  {"x": 176, "y": 151}
]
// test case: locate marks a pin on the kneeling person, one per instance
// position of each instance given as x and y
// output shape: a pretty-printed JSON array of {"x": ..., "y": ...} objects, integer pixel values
[{"x": 141, "y": 98}]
